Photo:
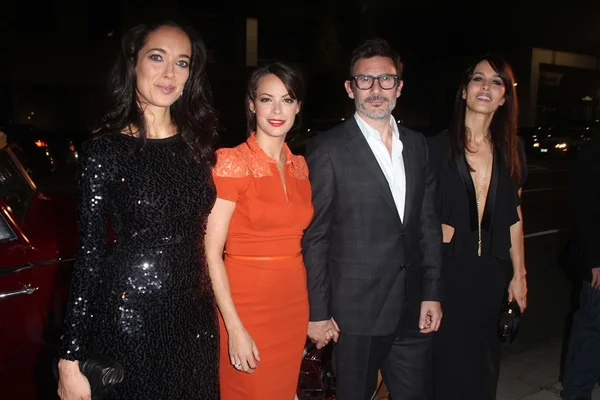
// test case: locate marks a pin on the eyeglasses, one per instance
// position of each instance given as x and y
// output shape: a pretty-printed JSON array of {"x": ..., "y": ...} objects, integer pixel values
[{"x": 386, "y": 81}]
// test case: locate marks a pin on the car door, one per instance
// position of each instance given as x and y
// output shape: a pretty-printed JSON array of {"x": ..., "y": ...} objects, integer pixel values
[
  {"x": 21, "y": 308},
  {"x": 18, "y": 325}
]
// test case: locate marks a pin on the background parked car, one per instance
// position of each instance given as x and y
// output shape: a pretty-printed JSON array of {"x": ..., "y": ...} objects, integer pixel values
[{"x": 37, "y": 250}]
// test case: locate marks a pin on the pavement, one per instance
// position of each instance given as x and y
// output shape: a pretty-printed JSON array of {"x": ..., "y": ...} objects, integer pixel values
[{"x": 533, "y": 374}]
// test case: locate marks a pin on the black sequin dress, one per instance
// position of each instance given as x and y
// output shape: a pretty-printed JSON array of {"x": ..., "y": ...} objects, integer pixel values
[{"x": 144, "y": 300}]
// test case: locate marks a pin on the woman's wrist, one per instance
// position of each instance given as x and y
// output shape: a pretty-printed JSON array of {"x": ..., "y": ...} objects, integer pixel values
[
  {"x": 520, "y": 273},
  {"x": 234, "y": 327},
  {"x": 68, "y": 366}
]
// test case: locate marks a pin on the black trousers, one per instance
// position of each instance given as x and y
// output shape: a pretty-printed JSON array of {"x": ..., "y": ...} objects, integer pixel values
[
  {"x": 466, "y": 350},
  {"x": 404, "y": 358}
]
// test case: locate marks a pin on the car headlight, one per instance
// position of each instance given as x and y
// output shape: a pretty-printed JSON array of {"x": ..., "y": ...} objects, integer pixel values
[
  {"x": 536, "y": 145},
  {"x": 560, "y": 146}
]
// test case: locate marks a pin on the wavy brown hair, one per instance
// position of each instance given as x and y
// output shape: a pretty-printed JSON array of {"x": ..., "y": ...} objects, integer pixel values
[
  {"x": 192, "y": 113},
  {"x": 503, "y": 128}
]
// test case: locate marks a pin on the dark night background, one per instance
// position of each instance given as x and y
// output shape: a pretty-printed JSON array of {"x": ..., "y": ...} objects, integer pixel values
[{"x": 56, "y": 53}]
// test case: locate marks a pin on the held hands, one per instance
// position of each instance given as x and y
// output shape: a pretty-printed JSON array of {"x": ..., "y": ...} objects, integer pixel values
[
  {"x": 72, "y": 384},
  {"x": 321, "y": 332},
  {"x": 431, "y": 316},
  {"x": 517, "y": 290},
  {"x": 243, "y": 352}
]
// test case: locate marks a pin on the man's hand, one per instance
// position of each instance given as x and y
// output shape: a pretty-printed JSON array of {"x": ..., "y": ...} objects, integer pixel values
[
  {"x": 431, "y": 316},
  {"x": 596, "y": 278},
  {"x": 321, "y": 332}
]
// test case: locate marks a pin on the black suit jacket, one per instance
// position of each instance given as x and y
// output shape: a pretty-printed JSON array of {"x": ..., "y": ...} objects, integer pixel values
[{"x": 363, "y": 262}]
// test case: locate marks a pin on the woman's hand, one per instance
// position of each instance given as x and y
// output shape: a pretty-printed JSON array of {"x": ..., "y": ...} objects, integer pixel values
[
  {"x": 517, "y": 290},
  {"x": 72, "y": 384},
  {"x": 243, "y": 352}
]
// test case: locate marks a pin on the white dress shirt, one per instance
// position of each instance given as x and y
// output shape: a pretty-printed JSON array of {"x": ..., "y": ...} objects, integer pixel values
[{"x": 391, "y": 166}]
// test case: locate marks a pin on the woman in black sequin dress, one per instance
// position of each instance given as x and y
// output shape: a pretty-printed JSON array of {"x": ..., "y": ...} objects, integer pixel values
[{"x": 145, "y": 300}]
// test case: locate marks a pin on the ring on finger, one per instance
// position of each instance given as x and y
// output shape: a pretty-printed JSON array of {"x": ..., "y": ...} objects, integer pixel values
[{"x": 237, "y": 366}]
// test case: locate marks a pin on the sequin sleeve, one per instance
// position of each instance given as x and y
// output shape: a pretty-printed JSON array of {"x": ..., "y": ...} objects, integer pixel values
[
  {"x": 94, "y": 173},
  {"x": 231, "y": 174}
]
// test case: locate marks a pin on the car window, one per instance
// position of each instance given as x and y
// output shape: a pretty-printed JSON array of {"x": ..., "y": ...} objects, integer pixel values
[
  {"x": 16, "y": 187},
  {"x": 6, "y": 234}
]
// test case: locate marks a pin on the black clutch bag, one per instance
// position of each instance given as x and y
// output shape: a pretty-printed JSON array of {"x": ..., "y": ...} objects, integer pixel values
[
  {"x": 508, "y": 322},
  {"x": 103, "y": 374}
]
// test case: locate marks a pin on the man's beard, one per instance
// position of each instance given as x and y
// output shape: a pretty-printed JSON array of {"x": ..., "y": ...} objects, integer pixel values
[{"x": 382, "y": 112}]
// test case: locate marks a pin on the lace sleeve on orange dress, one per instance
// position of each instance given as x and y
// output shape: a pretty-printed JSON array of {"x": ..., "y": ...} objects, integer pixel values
[
  {"x": 231, "y": 174},
  {"x": 299, "y": 167}
]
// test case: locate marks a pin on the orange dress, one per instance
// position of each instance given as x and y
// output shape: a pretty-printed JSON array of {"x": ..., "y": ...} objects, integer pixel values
[{"x": 270, "y": 296}]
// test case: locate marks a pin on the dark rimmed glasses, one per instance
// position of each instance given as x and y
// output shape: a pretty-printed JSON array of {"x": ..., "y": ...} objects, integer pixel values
[{"x": 366, "y": 82}]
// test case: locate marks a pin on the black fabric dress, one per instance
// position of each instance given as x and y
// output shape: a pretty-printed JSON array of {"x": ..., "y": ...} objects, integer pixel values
[
  {"x": 144, "y": 300},
  {"x": 466, "y": 350}
]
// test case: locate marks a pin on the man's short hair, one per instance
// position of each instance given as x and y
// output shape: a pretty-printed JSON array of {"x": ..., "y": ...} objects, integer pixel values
[{"x": 373, "y": 48}]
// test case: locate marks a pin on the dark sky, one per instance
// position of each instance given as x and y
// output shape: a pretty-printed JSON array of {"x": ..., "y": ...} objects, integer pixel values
[{"x": 435, "y": 38}]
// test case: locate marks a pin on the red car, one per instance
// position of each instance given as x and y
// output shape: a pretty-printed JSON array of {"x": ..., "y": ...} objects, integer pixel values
[{"x": 37, "y": 250}]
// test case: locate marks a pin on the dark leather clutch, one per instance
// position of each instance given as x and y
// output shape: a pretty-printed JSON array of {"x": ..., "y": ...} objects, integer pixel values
[
  {"x": 102, "y": 373},
  {"x": 508, "y": 322}
]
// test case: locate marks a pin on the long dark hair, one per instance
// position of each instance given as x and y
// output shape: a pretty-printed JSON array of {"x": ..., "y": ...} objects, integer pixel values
[
  {"x": 291, "y": 79},
  {"x": 192, "y": 113},
  {"x": 503, "y": 128}
]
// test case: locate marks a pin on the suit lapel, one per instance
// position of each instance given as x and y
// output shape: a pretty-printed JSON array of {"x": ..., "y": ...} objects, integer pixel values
[
  {"x": 409, "y": 172},
  {"x": 359, "y": 147}
]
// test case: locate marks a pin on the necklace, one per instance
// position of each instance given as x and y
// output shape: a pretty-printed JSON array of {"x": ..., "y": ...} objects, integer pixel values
[{"x": 479, "y": 194}]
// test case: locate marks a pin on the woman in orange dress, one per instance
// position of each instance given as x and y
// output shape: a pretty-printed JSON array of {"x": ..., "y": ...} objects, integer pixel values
[{"x": 263, "y": 206}]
